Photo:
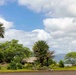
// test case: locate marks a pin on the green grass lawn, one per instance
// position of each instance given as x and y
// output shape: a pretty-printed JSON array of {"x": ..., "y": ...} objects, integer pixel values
[
  {"x": 4, "y": 69},
  {"x": 66, "y": 68}
]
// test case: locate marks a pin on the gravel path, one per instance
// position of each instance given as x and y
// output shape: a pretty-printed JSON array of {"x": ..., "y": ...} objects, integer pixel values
[{"x": 42, "y": 73}]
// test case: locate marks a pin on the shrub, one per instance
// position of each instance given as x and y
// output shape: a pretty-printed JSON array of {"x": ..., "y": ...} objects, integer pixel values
[
  {"x": 61, "y": 63},
  {"x": 29, "y": 66},
  {"x": 12, "y": 65},
  {"x": 51, "y": 66},
  {"x": 19, "y": 66}
]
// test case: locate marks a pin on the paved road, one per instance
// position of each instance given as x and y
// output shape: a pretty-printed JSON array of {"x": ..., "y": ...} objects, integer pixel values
[{"x": 43, "y": 73}]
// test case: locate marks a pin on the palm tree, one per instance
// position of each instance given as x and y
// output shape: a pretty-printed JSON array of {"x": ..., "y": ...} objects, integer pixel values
[
  {"x": 40, "y": 49},
  {"x": 1, "y": 30}
]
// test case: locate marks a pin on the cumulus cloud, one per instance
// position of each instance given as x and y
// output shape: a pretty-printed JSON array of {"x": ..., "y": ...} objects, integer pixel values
[
  {"x": 6, "y": 24},
  {"x": 61, "y": 27},
  {"x": 63, "y": 33},
  {"x": 42, "y": 35},
  {"x": 25, "y": 38},
  {"x": 52, "y": 8}
]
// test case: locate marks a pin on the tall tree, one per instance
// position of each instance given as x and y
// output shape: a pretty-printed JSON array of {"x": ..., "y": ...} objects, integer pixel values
[
  {"x": 12, "y": 50},
  {"x": 41, "y": 51},
  {"x": 71, "y": 58},
  {"x": 1, "y": 30}
]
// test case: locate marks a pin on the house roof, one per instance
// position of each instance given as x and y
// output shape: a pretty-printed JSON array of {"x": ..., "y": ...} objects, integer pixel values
[{"x": 30, "y": 59}]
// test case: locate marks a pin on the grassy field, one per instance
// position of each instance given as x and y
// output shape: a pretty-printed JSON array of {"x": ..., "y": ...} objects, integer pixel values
[
  {"x": 66, "y": 68},
  {"x": 4, "y": 69}
]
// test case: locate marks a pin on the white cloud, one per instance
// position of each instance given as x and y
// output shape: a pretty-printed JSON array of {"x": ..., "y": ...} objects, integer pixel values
[
  {"x": 63, "y": 33},
  {"x": 42, "y": 35},
  {"x": 6, "y": 24},
  {"x": 52, "y": 8},
  {"x": 26, "y": 38},
  {"x": 60, "y": 25}
]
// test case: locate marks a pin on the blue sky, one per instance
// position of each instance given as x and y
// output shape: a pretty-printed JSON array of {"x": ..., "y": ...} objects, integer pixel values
[
  {"x": 23, "y": 18},
  {"x": 31, "y": 20}
]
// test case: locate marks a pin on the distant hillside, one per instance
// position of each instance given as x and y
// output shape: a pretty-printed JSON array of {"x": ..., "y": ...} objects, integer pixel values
[{"x": 59, "y": 57}]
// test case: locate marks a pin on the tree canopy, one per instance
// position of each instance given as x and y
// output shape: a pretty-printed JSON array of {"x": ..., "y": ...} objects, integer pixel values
[
  {"x": 12, "y": 50},
  {"x": 41, "y": 51},
  {"x": 71, "y": 58}
]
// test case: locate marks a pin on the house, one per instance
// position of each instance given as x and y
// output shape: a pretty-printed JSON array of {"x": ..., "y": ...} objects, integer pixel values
[{"x": 30, "y": 60}]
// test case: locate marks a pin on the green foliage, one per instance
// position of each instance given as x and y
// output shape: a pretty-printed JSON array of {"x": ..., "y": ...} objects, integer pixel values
[
  {"x": 40, "y": 48},
  {"x": 14, "y": 66},
  {"x": 50, "y": 61},
  {"x": 42, "y": 68},
  {"x": 71, "y": 58},
  {"x": 29, "y": 66},
  {"x": 1, "y": 56},
  {"x": 51, "y": 66},
  {"x": 11, "y": 50},
  {"x": 41, "y": 51},
  {"x": 19, "y": 66},
  {"x": 61, "y": 63}
]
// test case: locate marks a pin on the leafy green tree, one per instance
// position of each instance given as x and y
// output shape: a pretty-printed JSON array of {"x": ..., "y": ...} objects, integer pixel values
[
  {"x": 41, "y": 51},
  {"x": 1, "y": 30},
  {"x": 14, "y": 51},
  {"x": 61, "y": 63},
  {"x": 71, "y": 58}
]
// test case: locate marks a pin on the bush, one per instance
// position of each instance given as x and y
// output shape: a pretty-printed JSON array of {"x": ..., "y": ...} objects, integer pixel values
[
  {"x": 51, "y": 66},
  {"x": 61, "y": 63},
  {"x": 19, "y": 66},
  {"x": 29, "y": 66},
  {"x": 38, "y": 67},
  {"x": 43, "y": 68},
  {"x": 14, "y": 66}
]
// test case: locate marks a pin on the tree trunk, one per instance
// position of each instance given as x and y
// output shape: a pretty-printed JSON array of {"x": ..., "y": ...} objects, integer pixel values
[
  {"x": 47, "y": 60},
  {"x": 41, "y": 61}
]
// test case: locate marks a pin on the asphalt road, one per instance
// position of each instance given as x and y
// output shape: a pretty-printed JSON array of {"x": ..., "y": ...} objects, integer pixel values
[{"x": 42, "y": 73}]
